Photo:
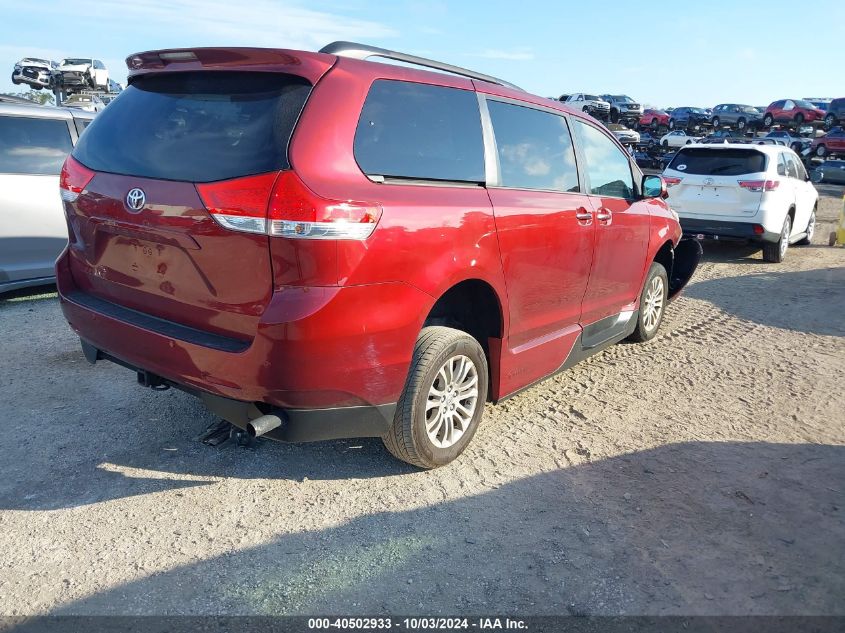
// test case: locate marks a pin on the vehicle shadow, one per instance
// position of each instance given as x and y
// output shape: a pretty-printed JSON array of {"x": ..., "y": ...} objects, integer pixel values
[
  {"x": 68, "y": 458},
  {"x": 691, "y": 528},
  {"x": 809, "y": 301},
  {"x": 730, "y": 252}
]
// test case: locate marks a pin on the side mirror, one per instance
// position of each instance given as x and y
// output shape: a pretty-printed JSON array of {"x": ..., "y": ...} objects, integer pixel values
[{"x": 654, "y": 187}]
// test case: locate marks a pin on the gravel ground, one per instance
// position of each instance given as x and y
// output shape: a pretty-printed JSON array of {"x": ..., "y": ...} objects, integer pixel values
[{"x": 702, "y": 473}]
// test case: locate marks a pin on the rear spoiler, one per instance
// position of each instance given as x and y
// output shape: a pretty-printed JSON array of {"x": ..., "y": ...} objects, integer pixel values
[{"x": 309, "y": 65}]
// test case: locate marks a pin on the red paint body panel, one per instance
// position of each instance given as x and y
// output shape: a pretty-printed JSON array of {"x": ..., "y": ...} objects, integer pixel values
[
  {"x": 170, "y": 259},
  {"x": 780, "y": 115},
  {"x": 619, "y": 263},
  {"x": 650, "y": 117},
  {"x": 333, "y": 323}
]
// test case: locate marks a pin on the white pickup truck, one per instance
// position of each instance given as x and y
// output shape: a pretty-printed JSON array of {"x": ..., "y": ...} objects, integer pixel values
[{"x": 591, "y": 104}]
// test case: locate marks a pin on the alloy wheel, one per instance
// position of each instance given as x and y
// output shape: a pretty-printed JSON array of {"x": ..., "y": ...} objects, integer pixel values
[
  {"x": 452, "y": 401},
  {"x": 654, "y": 300}
]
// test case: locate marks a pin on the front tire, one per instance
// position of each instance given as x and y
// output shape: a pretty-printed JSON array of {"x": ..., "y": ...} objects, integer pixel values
[
  {"x": 715, "y": 122},
  {"x": 775, "y": 252},
  {"x": 652, "y": 304},
  {"x": 821, "y": 151},
  {"x": 829, "y": 121},
  {"x": 443, "y": 399},
  {"x": 740, "y": 125},
  {"x": 768, "y": 120},
  {"x": 799, "y": 119},
  {"x": 671, "y": 124}
]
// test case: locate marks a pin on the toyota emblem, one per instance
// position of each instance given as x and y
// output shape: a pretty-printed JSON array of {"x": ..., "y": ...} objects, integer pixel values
[{"x": 135, "y": 199}]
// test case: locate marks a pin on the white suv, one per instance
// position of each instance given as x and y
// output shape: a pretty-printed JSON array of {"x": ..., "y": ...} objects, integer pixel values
[{"x": 750, "y": 192}]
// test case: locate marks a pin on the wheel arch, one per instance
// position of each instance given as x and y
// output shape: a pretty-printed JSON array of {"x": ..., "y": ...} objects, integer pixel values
[
  {"x": 471, "y": 305},
  {"x": 680, "y": 262}
]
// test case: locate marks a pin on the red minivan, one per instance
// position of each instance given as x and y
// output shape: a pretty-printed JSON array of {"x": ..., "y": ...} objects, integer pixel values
[{"x": 321, "y": 246}]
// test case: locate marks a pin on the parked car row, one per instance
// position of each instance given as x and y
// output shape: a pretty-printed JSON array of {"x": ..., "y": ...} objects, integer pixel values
[{"x": 72, "y": 73}]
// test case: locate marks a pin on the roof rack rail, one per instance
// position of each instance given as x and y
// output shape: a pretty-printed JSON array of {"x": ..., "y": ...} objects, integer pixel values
[{"x": 364, "y": 51}]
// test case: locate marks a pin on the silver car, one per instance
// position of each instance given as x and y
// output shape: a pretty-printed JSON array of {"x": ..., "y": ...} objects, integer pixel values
[
  {"x": 34, "y": 141},
  {"x": 38, "y": 73}
]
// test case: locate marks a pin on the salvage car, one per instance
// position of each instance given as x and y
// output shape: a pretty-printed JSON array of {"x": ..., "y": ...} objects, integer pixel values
[
  {"x": 835, "y": 114},
  {"x": 832, "y": 143},
  {"x": 314, "y": 172},
  {"x": 623, "y": 109},
  {"x": 82, "y": 72},
  {"x": 654, "y": 119},
  {"x": 678, "y": 138},
  {"x": 736, "y": 115},
  {"x": 625, "y": 135},
  {"x": 829, "y": 172},
  {"x": 792, "y": 112},
  {"x": 34, "y": 142},
  {"x": 758, "y": 193},
  {"x": 591, "y": 104},
  {"x": 688, "y": 118},
  {"x": 89, "y": 103},
  {"x": 797, "y": 143},
  {"x": 34, "y": 72}
]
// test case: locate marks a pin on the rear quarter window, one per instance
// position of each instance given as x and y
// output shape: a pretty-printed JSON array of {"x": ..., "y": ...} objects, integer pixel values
[
  {"x": 419, "y": 131},
  {"x": 718, "y": 162},
  {"x": 196, "y": 126},
  {"x": 30, "y": 145}
]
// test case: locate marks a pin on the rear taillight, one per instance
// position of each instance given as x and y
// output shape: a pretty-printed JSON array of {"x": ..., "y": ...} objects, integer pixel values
[
  {"x": 281, "y": 205},
  {"x": 671, "y": 182},
  {"x": 759, "y": 185},
  {"x": 73, "y": 179}
]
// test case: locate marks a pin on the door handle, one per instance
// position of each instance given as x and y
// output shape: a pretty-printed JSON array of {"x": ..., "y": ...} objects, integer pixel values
[
  {"x": 582, "y": 215},
  {"x": 604, "y": 215}
]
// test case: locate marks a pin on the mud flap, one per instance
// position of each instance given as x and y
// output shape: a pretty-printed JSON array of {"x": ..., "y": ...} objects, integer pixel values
[{"x": 687, "y": 255}]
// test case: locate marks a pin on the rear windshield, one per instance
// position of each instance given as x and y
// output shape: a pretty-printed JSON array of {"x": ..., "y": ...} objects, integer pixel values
[
  {"x": 718, "y": 161},
  {"x": 197, "y": 126}
]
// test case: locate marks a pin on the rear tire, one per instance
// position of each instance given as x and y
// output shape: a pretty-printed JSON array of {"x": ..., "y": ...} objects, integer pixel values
[
  {"x": 740, "y": 125},
  {"x": 715, "y": 122},
  {"x": 443, "y": 399},
  {"x": 821, "y": 151},
  {"x": 799, "y": 119},
  {"x": 775, "y": 252},
  {"x": 829, "y": 121},
  {"x": 768, "y": 120},
  {"x": 653, "y": 300},
  {"x": 809, "y": 231},
  {"x": 671, "y": 124}
]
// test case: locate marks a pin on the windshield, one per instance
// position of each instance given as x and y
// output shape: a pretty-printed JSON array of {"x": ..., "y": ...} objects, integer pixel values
[
  {"x": 697, "y": 110},
  {"x": 718, "y": 162},
  {"x": 748, "y": 109},
  {"x": 591, "y": 98},
  {"x": 803, "y": 104},
  {"x": 623, "y": 99},
  {"x": 75, "y": 62}
]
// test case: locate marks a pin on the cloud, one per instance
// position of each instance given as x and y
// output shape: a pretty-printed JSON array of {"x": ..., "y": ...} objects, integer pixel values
[
  {"x": 263, "y": 23},
  {"x": 517, "y": 54}
]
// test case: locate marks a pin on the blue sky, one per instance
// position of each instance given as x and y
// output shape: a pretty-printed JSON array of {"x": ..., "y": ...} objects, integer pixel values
[{"x": 686, "y": 53}]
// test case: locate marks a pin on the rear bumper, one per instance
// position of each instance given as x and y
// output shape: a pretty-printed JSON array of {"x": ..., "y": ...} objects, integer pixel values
[
  {"x": 725, "y": 230},
  {"x": 314, "y": 348},
  {"x": 298, "y": 425}
]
